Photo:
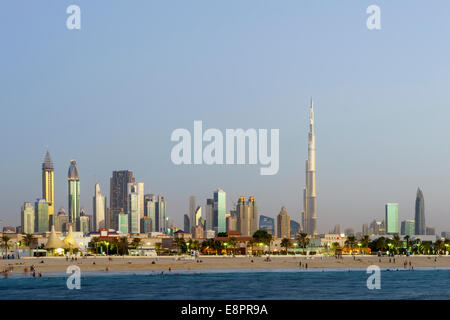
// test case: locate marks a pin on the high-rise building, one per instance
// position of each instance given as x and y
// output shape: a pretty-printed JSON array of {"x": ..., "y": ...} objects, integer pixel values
[
  {"x": 248, "y": 216},
  {"x": 146, "y": 225},
  {"x": 48, "y": 183},
  {"x": 84, "y": 223},
  {"x": 391, "y": 218},
  {"x": 309, "y": 213},
  {"x": 160, "y": 215},
  {"x": 220, "y": 209},
  {"x": 118, "y": 198},
  {"x": 133, "y": 210},
  {"x": 294, "y": 228},
  {"x": 61, "y": 221},
  {"x": 197, "y": 217},
  {"x": 27, "y": 218},
  {"x": 420, "y": 213},
  {"x": 192, "y": 207},
  {"x": 74, "y": 193},
  {"x": 150, "y": 209},
  {"x": 233, "y": 223},
  {"x": 122, "y": 223},
  {"x": 407, "y": 228},
  {"x": 267, "y": 223},
  {"x": 336, "y": 229},
  {"x": 186, "y": 223},
  {"x": 99, "y": 209},
  {"x": 140, "y": 186},
  {"x": 283, "y": 224},
  {"x": 365, "y": 229},
  {"x": 41, "y": 224},
  {"x": 430, "y": 231},
  {"x": 209, "y": 212}
]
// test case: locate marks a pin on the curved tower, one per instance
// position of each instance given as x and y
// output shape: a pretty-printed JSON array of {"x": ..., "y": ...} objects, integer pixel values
[
  {"x": 48, "y": 183},
  {"x": 420, "y": 213},
  {"x": 74, "y": 192},
  {"x": 309, "y": 214}
]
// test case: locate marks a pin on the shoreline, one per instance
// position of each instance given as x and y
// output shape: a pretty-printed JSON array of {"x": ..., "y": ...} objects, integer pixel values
[{"x": 99, "y": 264}]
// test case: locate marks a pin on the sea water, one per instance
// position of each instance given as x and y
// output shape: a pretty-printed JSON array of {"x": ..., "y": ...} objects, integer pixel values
[{"x": 245, "y": 284}]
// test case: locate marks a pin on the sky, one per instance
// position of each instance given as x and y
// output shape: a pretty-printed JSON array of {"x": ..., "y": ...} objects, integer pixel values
[{"x": 110, "y": 94}]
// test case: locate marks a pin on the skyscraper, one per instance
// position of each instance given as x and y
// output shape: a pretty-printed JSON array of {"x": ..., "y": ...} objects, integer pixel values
[
  {"x": 118, "y": 195},
  {"x": 309, "y": 214},
  {"x": 294, "y": 227},
  {"x": 133, "y": 209},
  {"x": 391, "y": 218},
  {"x": 247, "y": 213},
  {"x": 160, "y": 215},
  {"x": 209, "y": 212},
  {"x": 48, "y": 183},
  {"x": 192, "y": 208},
  {"x": 186, "y": 223},
  {"x": 407, "y": 228},
  {"x": 74, "y": 193},
  {"x": 27, "y": 218},
  {"x": 420, "y": 214},
  {"x": 220, "y": 209},
  {"x": 267, "y": 223},
  {"x": 99, "y": 209},
  {"x": 283, "y": 224},
  {"x": 119, "y": 189},
  {"x": 41, "y": 216},
  {"x": 150, "y": 209}
]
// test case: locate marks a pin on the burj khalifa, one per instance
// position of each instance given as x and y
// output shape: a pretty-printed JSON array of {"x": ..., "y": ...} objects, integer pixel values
[{"x": 309, "y": 213}]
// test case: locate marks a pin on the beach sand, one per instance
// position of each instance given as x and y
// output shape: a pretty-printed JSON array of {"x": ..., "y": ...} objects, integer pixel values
[{"x": 130, "y": 264}]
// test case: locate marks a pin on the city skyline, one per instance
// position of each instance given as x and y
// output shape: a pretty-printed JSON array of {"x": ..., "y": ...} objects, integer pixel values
[{"x": 381, "y": 126}]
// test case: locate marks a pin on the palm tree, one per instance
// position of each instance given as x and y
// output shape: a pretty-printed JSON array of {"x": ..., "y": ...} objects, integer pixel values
[
  {"x": 397, "y": 242},
  {"x": 218, "y": 245},
  {"x": 28, "y": 240},
  {"x": 365, "y": 241},
  {"x": 262, "y": 236},
  {"x": 136, "y": 243},
  {"x": 303, "y": 240},
  {"x": 179, "y": 242},
  {"x": 350, "y": 242},
  {"x": 286, "y": 244},
  {"x": 407, "y": 237},
  {"x": 5, "y": 240},
  {"x": 233, "y": 243},
  {"x": 439, "y": 246},
  {"x": 158, "y": 247}
]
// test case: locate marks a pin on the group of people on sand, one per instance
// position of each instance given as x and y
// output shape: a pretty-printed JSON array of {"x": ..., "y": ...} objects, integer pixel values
[{"x": 10, "y": 257}]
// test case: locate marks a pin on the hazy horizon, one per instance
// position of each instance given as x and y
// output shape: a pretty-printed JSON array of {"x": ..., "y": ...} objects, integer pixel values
[{"x": 110, "y": 95}]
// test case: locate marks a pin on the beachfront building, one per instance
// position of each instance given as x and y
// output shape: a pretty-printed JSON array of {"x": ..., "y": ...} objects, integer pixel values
[
  {"x": 27, "y": 217},
  {"x": 283, "y": 224},
  {"x": 391, "y": 218},
  {"x": 41, "y": 223}
]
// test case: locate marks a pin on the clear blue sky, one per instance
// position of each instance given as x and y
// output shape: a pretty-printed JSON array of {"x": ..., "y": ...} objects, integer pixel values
[{"x": 110, "y": 94}]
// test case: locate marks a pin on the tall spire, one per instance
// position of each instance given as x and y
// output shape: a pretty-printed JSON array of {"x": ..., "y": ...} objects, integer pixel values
[
  {"x": 309, "y": 214},
  {"x": 47, "y": 164}
]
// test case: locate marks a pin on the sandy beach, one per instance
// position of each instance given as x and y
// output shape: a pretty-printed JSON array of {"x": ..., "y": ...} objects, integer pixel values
[{"x": 104, "y": 264}]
